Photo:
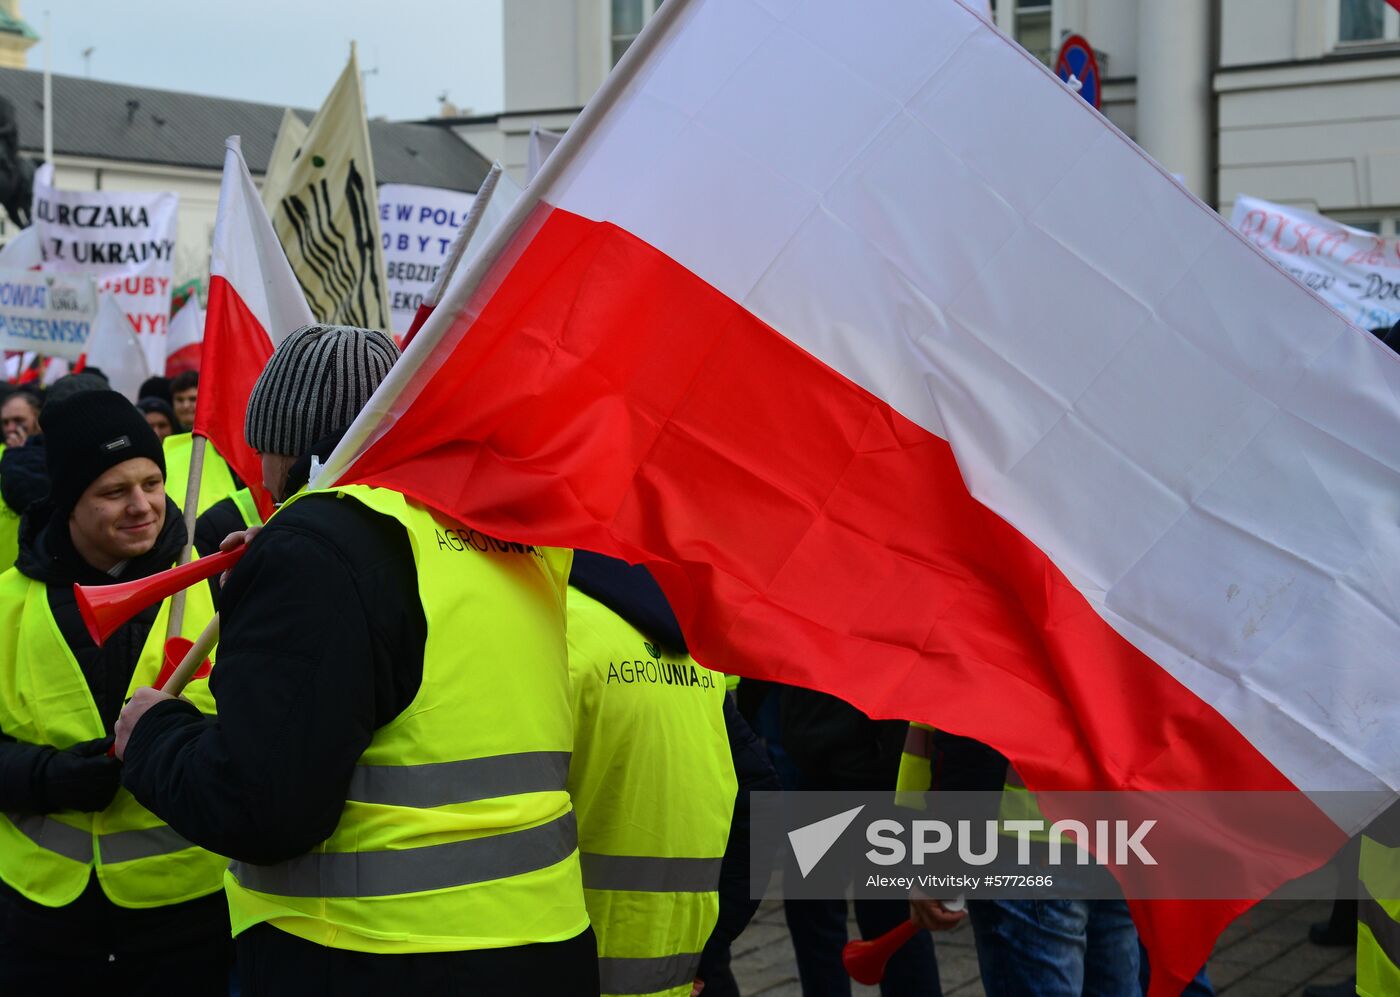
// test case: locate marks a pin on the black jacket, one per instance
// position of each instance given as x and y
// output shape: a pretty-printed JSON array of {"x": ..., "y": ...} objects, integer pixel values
[
  {"x": 41, "y": 779},
  {"x": 837, "y": 747},
  {"x": 322, "y": 644},
  {"x": 24, "y": 474}
]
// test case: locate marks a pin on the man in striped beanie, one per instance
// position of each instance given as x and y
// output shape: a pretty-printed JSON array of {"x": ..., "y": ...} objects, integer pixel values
[
  {"x": 308, "y": 394},
  {"x": 388, "y": 770}
]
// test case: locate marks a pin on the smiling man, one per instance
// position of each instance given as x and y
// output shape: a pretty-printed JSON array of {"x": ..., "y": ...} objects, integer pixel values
[{"x": 97, "y": 895}]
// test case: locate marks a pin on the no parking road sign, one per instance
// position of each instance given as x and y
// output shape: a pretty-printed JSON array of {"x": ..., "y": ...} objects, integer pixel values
[{"x": 1077, "y": 58}]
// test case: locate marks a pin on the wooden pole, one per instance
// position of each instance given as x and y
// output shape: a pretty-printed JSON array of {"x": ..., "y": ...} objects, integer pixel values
[
  {"x": 176, "y": 621},
  {"x": 190, "y": 663}
]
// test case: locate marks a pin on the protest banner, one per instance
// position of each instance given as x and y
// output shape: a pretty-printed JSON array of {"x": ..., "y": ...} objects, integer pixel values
[
  {"x": 1355, "y": 271},
  {"x": 124, "y": 239},
  {"x": 417, "y": 226},
  {"x": 324, "y": 211},
  {"x": 49, "y": 314}
]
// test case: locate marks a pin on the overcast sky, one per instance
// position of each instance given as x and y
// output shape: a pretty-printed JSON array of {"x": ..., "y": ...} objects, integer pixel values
[{"x": 285, "y": 52}]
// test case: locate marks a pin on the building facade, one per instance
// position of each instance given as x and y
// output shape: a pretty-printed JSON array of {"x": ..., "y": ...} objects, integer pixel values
[
  {"x": 1291, "y": 100},
  {"x": 113, "y": 136}
]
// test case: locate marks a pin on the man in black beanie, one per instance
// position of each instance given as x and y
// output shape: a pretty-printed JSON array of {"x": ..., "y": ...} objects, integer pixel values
[
  {"x": 96, "y": 894},
  {"x": 388, "y": 770}
]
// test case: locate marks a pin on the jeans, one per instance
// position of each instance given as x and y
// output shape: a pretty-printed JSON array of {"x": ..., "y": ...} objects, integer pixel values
[
  {"x": 1056, "y": 948},
  {"x": 1198, "y": 987},
  {"x": 818, "y": 929}
]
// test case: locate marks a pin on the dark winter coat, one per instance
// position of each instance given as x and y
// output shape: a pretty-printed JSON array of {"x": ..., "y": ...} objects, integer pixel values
[{"x": 322, "y": 644}]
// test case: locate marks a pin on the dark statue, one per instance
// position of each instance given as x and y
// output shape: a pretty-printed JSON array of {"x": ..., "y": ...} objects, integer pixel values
[{"x": 16, "y": 172}]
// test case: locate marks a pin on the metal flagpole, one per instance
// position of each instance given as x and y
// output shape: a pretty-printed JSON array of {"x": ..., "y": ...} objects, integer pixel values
[{"x": 48, "y": 90}]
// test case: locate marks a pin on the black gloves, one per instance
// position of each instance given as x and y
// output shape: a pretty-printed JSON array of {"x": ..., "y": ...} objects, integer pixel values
[{"x": 82, "y": 777}]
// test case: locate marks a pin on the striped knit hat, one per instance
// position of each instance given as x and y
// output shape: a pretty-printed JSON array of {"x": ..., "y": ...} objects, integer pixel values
[{"x": 314, "y": 385}]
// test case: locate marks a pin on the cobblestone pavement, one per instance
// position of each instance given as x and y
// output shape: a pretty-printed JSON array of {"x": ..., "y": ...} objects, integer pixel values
[{"x": 1264, "y": 954}]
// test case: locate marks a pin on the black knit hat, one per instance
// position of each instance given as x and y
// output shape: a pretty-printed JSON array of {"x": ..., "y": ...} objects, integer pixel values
[
  {"x": 89, "y": 433},
  {"x": 314, "y": 385}
]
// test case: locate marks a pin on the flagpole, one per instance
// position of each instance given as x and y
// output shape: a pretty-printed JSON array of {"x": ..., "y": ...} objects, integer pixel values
[
  {"x": 48, "y": 91},
  {"x": 459, "y": 245},
  {"x": 176, "y": 621},
  {"x": 402, "y": 376}
]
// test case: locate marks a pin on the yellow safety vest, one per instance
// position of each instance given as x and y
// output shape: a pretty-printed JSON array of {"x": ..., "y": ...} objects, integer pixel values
[
  {"x": 1378, "y": 921},
  {"x": 457, "y": 831},
  {"x": 9, "y": 531},
  {"x": 916, "y": 778},
  {"x": 215, "y": 480},
  {"x": 247, "y": 507},
  {"x": 653, "y": 784},
  {"x": 44, "y": 699}
]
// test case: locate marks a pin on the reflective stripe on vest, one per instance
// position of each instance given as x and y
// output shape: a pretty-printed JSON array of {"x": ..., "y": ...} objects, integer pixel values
[
  {"x": 415, "y": 870},
  {"x": 647, "y": 976},
  {"x": 55, "y": 836},
  {"x": 76, "y": 844},
  {"x": 44, "y": 699},
  {"x": 443, "y": 783},
  {"x": 648, "y": 873},
  {"x": 457, "y": 831},
  {"x": 651, "y": 741}
]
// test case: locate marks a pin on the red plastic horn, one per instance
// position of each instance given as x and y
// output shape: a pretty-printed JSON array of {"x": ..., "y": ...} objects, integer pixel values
[
  {"x": 104, "y": 608},
  {"x": 865, "y": 961}
]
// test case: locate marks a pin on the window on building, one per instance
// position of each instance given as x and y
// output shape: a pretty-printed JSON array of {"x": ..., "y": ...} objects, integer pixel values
[
  {"x": 628, "y": 16},
  {"x": 1367, "y": 221},
  {"x": 1367, "y": 21},
  {"x": 1032, "y": 28}
]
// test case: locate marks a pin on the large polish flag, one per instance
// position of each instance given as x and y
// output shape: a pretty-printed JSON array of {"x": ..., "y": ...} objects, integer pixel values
[
  {"x": 912, "y": 379},
  {"x": 254, "y": 302}
]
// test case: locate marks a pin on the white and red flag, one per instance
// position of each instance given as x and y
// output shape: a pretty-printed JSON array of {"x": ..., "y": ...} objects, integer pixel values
[
  {"x": 913, "y": 380},
  {"x": 254, "y": 302},
  {"x": 185, "y": 343},
  {"x": 114, "y": 348}
]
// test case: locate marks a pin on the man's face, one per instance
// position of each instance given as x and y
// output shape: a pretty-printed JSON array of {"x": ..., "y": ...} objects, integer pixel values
[
  {"x": 185, "y": 404},
  {"x": 120, "y": 514},
  {"x": 158, "y": 422},
  {"x": 18, "y": 420},
  {"x": 275, "y": 468}
]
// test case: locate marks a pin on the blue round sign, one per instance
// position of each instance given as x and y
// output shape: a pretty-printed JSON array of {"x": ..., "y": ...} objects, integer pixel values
[{"x": 1077, "y": 58}]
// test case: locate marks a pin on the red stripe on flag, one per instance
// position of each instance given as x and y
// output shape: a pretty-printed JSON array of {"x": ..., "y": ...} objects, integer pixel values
[
  {"x": 235, "y": 350},
  {"x": 183, "y": 359},
  {"x": 607, "y": 398}
]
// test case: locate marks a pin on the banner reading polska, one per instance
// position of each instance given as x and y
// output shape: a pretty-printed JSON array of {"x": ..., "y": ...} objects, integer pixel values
[
  {"x": 417, "y": 225},
  {"x": 125, "y": 239},
  {"x": 51, "y": 314},
  {"x": 1355, "y": 271}
]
